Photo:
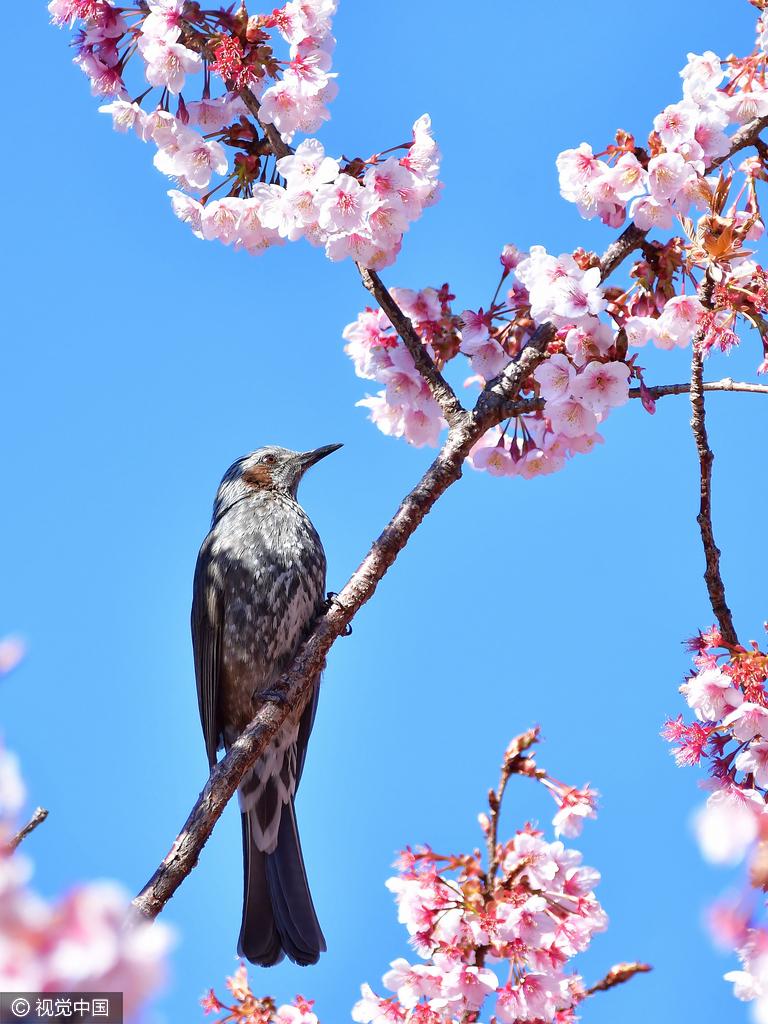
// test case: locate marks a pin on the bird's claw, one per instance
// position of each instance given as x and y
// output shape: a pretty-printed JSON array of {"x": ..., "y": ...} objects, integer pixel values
[
  {"x": 274, "y": 695},
  {"x": 331, "y": 599}
]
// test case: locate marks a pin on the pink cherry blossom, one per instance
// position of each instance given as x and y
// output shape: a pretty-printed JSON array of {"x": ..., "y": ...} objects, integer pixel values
[
  {"x": 308, "y": 167},
  {"x": 754, "y": 761},
  {"x": 12, "y": 650},
  {"x": 555, "y": 377},
  {"x": 412, "y": 982},
  {"x": 188, "y": 210},
  {"x": 469, "y": 984},
  {"x": 601, "y": 386},
  {"x": 221, "y": 219},
  {"x": 628, "y": 178},
  {"x": 125, "y": 116},
  {"x": 575, "y": 805},
  {"x": 558, "y": 288},
  {"x": 675, "y": 124},
  {"x": 168, "y": 63},
  {"x": 571, "y": 418},
  {"x": 343, "y": 204},
  {"x": 640, "y": 330},
  {"x": 577, "y": 167},
  {"x": 667, "y": 174},
  {"x": 728, "y": 825},
  {"x": 164, "y": 20},
  {"x": 197, "y": 159},
  {"x": 680, "y": 316},
  {"x": 746, "y": 721},
  {"x": 648, "y": 213},
  {"x": 495, "y": 459},
  {"x": 711, "y": 694},
  {"x": 212, "y": 114},
  {"x": 370, "y": 1009}
]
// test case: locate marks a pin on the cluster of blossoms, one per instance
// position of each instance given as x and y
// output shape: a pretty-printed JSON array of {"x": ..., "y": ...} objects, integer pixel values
[
  {"x": 246, "y": 1008},
  {"x": 405, "y": 408},
  {"x": 673, "y": 177},
  {"x": 689, "y": 139},
  {"x": 355, "y": 208},
  {"x": 532, "y": 908},
  {"x": 727, "y": 693},
  {"x": 586, "y": 374},
  {"x": 79, "y": 943},
  {"x": 695, "y": 286}
]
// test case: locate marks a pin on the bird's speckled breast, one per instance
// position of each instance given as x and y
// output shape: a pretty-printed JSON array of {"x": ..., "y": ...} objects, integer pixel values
[{"x": 271, "y": 563}]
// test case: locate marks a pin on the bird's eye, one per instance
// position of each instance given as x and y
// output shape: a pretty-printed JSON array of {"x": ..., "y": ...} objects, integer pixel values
[{"x": 269, "y": 460}]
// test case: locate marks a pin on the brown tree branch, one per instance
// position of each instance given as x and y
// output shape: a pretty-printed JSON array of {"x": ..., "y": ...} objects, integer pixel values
[
  {"x": 630, "y": 239},
  {"x": 617, "y": 975},
  {"x": 440, "y": 389},
  {"x": 712, "y": 576},
  {"x": 725, "y": 384},
  {"x": 522, "y": 406},
  {"x": 746, "y": 136},
  {"x": 37, "y": 818},
  {"x": 514, "y": 763}
]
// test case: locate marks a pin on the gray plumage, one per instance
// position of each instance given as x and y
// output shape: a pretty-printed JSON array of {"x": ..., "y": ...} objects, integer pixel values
[{"x": 259, "y": 586}]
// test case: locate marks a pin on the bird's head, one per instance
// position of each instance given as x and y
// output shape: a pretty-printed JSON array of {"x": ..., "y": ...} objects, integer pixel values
[{"x": 267, "y": 469}]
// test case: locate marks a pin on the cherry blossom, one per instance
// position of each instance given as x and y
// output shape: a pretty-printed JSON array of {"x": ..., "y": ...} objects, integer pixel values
[
  {"x": 727, "y": 825},
  {"x": 728, "y": 693},
  {"x": 79, "y": 942},
  {"x": 168, "y": 64},
  {"x": 493, "y": 938},
  {"x": 555, "y": 377},
  {"x": 308, "y": 167},
  {"x": 12, "y": 650},
  {"x": 601, "y": 386},
  {"x": 357, "y": 208}
]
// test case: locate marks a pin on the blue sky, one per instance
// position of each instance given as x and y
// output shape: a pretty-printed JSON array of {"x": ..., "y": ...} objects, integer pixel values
[{"x": 140, "y": 362}]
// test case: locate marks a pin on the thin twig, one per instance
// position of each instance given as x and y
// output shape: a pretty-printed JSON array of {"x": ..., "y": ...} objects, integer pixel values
[
  {"x": 617, "y": 975},
  {"x": 523, "y": 406},
  {"x": 712, "y": 575},
  {"x": 726, "y": 384},
  {"x": 439, "y": 388},
  {"x": 514, "y": 763},
  {"x": 37, "y": 819}
]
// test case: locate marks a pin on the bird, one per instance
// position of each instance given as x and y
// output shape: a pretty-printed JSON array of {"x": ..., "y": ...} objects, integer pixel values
[{"x": 259, "y": 586}]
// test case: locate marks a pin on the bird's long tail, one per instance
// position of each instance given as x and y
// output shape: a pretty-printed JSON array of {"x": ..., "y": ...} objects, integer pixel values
[{"x": 278, "y": 914}]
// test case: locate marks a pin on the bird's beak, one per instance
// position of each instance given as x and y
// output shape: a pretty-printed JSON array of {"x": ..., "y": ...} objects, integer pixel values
[{"x": 308, "y": 459}]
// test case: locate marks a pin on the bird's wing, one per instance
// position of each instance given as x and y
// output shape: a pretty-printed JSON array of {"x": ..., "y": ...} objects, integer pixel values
[{"x": 206, "y": 645}]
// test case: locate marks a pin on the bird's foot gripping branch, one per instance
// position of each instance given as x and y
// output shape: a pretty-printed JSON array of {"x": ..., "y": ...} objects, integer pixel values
[{"x": 492, "y": 935}]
